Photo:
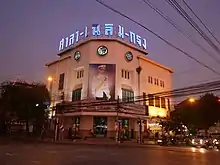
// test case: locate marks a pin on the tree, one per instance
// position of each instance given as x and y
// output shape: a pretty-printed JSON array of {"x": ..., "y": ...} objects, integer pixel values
[
  {"x": 208, "y": 110},
  {"x": 200, "y": 114},
  {"x": 186, "y": 113},
  {"x": 25, "y": 101}
]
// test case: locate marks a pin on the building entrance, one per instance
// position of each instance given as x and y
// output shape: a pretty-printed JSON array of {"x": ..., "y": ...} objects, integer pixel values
[{"x": 100, "y": 126}]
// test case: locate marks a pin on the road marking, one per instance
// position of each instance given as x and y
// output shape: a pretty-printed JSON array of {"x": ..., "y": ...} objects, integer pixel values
[{"x": 35, "y": 162}]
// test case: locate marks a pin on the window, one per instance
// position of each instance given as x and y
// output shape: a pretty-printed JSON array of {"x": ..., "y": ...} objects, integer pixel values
[
  {"x": 157, "y": 101},
  {"x": 125, "y": 74},
  {"x": 127, "y": 95},
  {"x": 61, "y": 81},
  {"x": 80, "y": 74},
  {"x": 163, "y": 102},
  {"x": 149, "y": 79},
  {"x": 76, "y": 94},
  {"x": 151, "y": 100},
  {"x": 162, "y": 83},
  {"x": 155, "y": 81}
]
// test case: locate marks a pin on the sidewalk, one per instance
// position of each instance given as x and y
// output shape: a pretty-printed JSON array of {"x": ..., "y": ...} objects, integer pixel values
[
  {"x": 95, "y": 141},
  {"x": 89, "y": 141}
]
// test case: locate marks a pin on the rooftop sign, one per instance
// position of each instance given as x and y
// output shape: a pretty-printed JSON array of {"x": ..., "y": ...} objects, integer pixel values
[{"x": 102, "y": 31}]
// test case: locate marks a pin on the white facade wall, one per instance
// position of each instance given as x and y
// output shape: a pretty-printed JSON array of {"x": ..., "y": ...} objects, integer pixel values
[{"x": 116, "y": 55}]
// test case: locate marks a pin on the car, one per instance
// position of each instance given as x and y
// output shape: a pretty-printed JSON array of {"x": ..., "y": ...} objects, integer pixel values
[{"x": 199, "y": 141}]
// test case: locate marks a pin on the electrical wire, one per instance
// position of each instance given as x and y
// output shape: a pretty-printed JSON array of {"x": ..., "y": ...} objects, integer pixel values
[
  {"x": 158, "y": 36},
  {"x": 206, "y": 27},
  {"x": 157, "y": 10},
  {"x": 183, "y": 13}
]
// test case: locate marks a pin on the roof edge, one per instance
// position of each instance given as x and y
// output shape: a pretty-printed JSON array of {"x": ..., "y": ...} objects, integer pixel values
[
  {"x": 58, "y": 60},
  {"x": 103, "y": 39},
  {"x": 155, "y": 63}
]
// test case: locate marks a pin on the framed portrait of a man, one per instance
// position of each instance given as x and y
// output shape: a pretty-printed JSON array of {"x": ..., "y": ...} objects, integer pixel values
[{"x": 101, "y": 82}]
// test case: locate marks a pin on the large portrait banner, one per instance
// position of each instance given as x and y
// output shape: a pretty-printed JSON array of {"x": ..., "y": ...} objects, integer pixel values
[{"x": 101, "y": 81}]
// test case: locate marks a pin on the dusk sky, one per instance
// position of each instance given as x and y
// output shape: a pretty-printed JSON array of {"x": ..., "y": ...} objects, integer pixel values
[{"x": 31, "y": 30}]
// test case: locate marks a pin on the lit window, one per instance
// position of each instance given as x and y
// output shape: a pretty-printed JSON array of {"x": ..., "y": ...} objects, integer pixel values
[
  {"x": 151, "y": 100},
  {"x": 157, "y": 101},
  {"x": 163, "y": 102}
]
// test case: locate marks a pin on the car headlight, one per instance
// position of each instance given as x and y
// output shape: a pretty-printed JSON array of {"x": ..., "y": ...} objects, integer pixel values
[
  {"x": 193, "y": 141},
  {"x": 216, "y": 142},
  {"x": 201, "y": 141},
  {"x": 159, "y": 141}
]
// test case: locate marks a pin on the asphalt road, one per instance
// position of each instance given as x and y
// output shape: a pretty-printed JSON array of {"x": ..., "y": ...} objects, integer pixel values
[{"x": 50, "y": 154}]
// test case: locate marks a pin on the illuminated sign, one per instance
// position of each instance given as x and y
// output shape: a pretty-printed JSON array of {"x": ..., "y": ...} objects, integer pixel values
[{"x": 106, "y": 31}]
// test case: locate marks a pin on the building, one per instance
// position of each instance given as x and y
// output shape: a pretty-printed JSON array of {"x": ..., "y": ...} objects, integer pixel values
[{"x": 108, "y": 68}]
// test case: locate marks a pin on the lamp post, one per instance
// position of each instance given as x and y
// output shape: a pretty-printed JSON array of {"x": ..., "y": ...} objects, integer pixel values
[{"x": 50, "y": 83}]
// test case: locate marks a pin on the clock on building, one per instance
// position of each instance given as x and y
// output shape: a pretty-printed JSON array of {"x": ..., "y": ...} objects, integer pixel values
[
  {"x": 129, "y": 56},
  {"x": 102, "y": 50},
  {"x": 77, "y": 55}
]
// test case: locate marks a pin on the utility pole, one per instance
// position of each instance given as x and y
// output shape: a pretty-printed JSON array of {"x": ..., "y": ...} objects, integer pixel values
[{"x": 117, "y": 121}]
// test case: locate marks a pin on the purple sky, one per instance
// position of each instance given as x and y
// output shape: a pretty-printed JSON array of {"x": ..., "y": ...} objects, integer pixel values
[{"x": 31, "y": 29}]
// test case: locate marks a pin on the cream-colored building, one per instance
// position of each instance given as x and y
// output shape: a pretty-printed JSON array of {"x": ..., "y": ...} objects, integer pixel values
[{"x": 71, "y": 75}]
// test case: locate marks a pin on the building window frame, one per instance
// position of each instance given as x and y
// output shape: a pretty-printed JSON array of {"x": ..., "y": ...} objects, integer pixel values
[
  {"x": 163, "y": 102},
  {"x": 76, "y": 94},
  {"x": 127, "y": 95},
  {"x": 126, "y": 74},
  {"x": 157, "y": 101},
  {"x": 61, "y": 81},
  {"x": 79, "y": 74},
  {"x": 151, "y": 100}
]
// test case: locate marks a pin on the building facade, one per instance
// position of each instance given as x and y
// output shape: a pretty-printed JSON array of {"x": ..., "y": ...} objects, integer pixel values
[{"x": 109, "y": 77}]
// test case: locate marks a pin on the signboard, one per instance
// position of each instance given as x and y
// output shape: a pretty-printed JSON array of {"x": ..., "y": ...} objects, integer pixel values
[{"x": 102, "y": 31}]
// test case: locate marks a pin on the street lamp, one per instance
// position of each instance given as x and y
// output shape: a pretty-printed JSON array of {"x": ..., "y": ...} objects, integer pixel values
[
  {"x": 50, "y": 79},
  {"x": 50, "y": 83},
  {"x": 191, "y": 100}
]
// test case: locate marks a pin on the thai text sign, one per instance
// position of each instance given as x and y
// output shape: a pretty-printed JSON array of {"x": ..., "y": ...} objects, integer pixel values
[{"x": 100, "y": 31}]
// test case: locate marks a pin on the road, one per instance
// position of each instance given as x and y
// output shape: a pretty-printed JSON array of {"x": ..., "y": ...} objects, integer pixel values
[{"x": 50, "y": 154}]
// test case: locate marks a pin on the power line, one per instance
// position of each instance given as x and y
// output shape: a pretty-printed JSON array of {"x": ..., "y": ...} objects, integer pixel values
[
  {"x": 187, "y": 5},
  {"x": 161, "y": 38},
  {"x": 157, "y": 10},
  {"x": 183, "y": 13}
]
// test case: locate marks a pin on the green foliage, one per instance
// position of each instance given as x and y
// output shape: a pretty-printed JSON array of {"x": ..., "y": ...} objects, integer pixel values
[
  {"x": 202, "y": 113},
  {"x": 24, "y": 100}
]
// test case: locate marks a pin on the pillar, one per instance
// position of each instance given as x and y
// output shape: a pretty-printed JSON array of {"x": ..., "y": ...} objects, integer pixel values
[
  {"x": 86, "y": 125},
  {"x": 111, "y": 132}
]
